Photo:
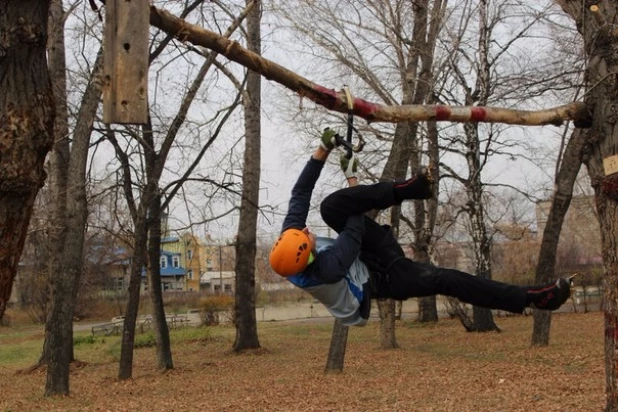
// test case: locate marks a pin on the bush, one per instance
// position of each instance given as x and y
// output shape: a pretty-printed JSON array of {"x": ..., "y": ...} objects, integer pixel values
[
  {"x": 84, "y": 340},
  {"x": 145, "y": 341},
  {"x": 216, "y": 309}
]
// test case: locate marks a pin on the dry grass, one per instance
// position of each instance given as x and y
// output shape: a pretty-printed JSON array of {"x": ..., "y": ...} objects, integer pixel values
[{"x": 438, "y": 368}]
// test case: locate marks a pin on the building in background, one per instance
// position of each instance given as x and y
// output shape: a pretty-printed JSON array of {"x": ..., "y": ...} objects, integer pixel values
[
  {"x": 173, "y": 275},
  {"x": 192, "y": 257},
  {"x": 580, "y": 240},
  {"x": 217, "y": 282}
]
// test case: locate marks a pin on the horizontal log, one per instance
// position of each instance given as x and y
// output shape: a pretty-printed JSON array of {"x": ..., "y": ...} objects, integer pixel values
[{"x": 372, "y": 112}]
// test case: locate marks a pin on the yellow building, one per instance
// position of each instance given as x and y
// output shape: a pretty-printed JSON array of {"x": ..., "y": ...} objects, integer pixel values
[
  {"x": 199, "y": 257},
  {"x": 192, "y": 259}
]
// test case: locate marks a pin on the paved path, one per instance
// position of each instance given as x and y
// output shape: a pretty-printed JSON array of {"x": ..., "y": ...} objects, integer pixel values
[{"x": 306, "y": 311}]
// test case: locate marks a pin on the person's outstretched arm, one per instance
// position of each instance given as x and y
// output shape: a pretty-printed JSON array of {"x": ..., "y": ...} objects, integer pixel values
[
  {"x": 300, "y": 201},
  {"x": 347, "y": 246}
]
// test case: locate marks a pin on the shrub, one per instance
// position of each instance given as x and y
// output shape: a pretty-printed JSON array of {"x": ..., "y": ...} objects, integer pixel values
[
  {"x": 216, "y": 309},
  {"x": 84, "y": 340},
  {"x": 146, "y": 340}
]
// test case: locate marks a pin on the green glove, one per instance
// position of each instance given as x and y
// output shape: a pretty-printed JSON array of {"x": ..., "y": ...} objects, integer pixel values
[
  {"x": 328, "y": 141},
  {"x": 349, "y": 166}
]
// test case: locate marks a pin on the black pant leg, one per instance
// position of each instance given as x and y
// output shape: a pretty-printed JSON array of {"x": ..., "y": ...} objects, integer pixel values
[
  {"x": 356, "y": 200},
  {"x": 408, "y": 279},
  {"x": 337, "y": 207}
]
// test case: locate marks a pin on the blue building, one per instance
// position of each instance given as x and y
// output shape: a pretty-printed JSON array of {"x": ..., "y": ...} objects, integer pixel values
[{"x": 173, "y": 275}]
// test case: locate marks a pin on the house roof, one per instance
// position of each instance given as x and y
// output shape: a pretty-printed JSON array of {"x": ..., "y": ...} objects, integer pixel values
[
  {"x": 168, "y": 253},
  {"x": 172, "y": 271},
  {"x": 169, "y": 271}
]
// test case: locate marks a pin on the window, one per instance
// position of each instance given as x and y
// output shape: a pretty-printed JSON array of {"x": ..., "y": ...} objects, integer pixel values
[
  {"x": 209, "y": 262},
  {"x": 163, "y": 262},
  {"x": 176, "y": 261},
  {"x": 227, "y": 287},
  {"x": 189, "y": 254},
  {"x": 190, "y": 274}
]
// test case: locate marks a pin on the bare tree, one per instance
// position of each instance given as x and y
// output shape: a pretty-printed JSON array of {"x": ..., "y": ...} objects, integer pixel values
[
  {"x": 70, "y": 209},
  {"x": 147, "y": 212},
  {"x": 595, "y": 23},
  {"x": 244, "y": 305},
  {"x": 545, "y": 271},
  {"x": 474, "y": 80}
]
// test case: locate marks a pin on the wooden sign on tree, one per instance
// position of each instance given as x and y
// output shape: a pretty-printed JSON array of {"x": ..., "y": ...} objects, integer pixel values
[{"x": 125, "y": 90}]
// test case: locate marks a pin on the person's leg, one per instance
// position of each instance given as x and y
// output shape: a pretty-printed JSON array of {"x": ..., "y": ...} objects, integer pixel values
[
  {"x": 357, "y": 200},
  {"x": 378, "y": 240},
  {"x": 409, "y": 279}
]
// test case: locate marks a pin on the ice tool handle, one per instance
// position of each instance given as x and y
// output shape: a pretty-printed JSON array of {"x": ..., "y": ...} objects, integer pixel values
[{"x": 347, "y": 142}]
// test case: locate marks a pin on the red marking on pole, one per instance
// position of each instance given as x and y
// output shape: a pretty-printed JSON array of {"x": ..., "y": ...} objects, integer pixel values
[
  {"x": 443, "y": 112},
  {"x": 326, "y": 97},
  {"x": 364, "y": 109},
  {"x": 478, "y": 114},
  {"x": 330, "y": 99}
]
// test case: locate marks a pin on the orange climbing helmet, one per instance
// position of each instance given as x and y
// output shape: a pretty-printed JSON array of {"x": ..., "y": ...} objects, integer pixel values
[{"x": 291, "y": 252}]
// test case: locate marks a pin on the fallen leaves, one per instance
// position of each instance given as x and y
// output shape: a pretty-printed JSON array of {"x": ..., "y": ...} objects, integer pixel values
[{"x": 437, "y": 368}]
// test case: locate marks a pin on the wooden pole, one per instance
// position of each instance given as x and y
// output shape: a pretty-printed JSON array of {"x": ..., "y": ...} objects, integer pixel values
[{"x": 125, "y": 89}]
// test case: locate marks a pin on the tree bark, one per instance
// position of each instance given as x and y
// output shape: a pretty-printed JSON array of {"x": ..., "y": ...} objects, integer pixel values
[
  {"x": 600, "y": 38},
  {"x": 244, "y": 304},
  {"x": 427, "y": 306},
  {"x": 58, "y": 345},
  {"x": 388, "y": 339},
  {"x": 125, "y": 367},
  {"x": 546, "y": 266},
  {"x": 338, "y": 345},
  {"x": 26, "y": 126},
  {"x": 483, "y": 319},
  {"x": 161, "y": 330}
]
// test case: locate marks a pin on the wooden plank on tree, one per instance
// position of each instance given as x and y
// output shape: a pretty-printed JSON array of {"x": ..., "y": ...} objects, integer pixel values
[
  {"x": 610, "y": 165},
  {"x": 125, "y": 90}
]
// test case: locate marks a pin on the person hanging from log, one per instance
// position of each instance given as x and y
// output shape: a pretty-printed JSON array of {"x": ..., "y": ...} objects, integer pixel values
[{"x": 366, "y": 262}]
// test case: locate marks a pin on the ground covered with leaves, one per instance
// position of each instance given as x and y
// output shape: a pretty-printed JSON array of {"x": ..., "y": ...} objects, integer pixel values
[{"x": 438, "y": 367}]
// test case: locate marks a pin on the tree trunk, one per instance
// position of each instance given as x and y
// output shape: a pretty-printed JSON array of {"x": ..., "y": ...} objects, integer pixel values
[
  {"x": 545, "y": 269},
  {"x": 427, "y": 306},
  {"x": 388, "y": 338},
  {"x": 125, "y": 367},
  {"x": 58, "y": 345},
  {"x": 427, "y": 309},
  {"x": 338, "y": 344},
  {"x": 161, "y": 330},
  {"x": 244, "y": 304},
  {"x": 600, "y": 38},
  {"x": 69, "y": 268},
  {"x": 26, "y": 126},
  {"x": 483, "y": 319}
]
